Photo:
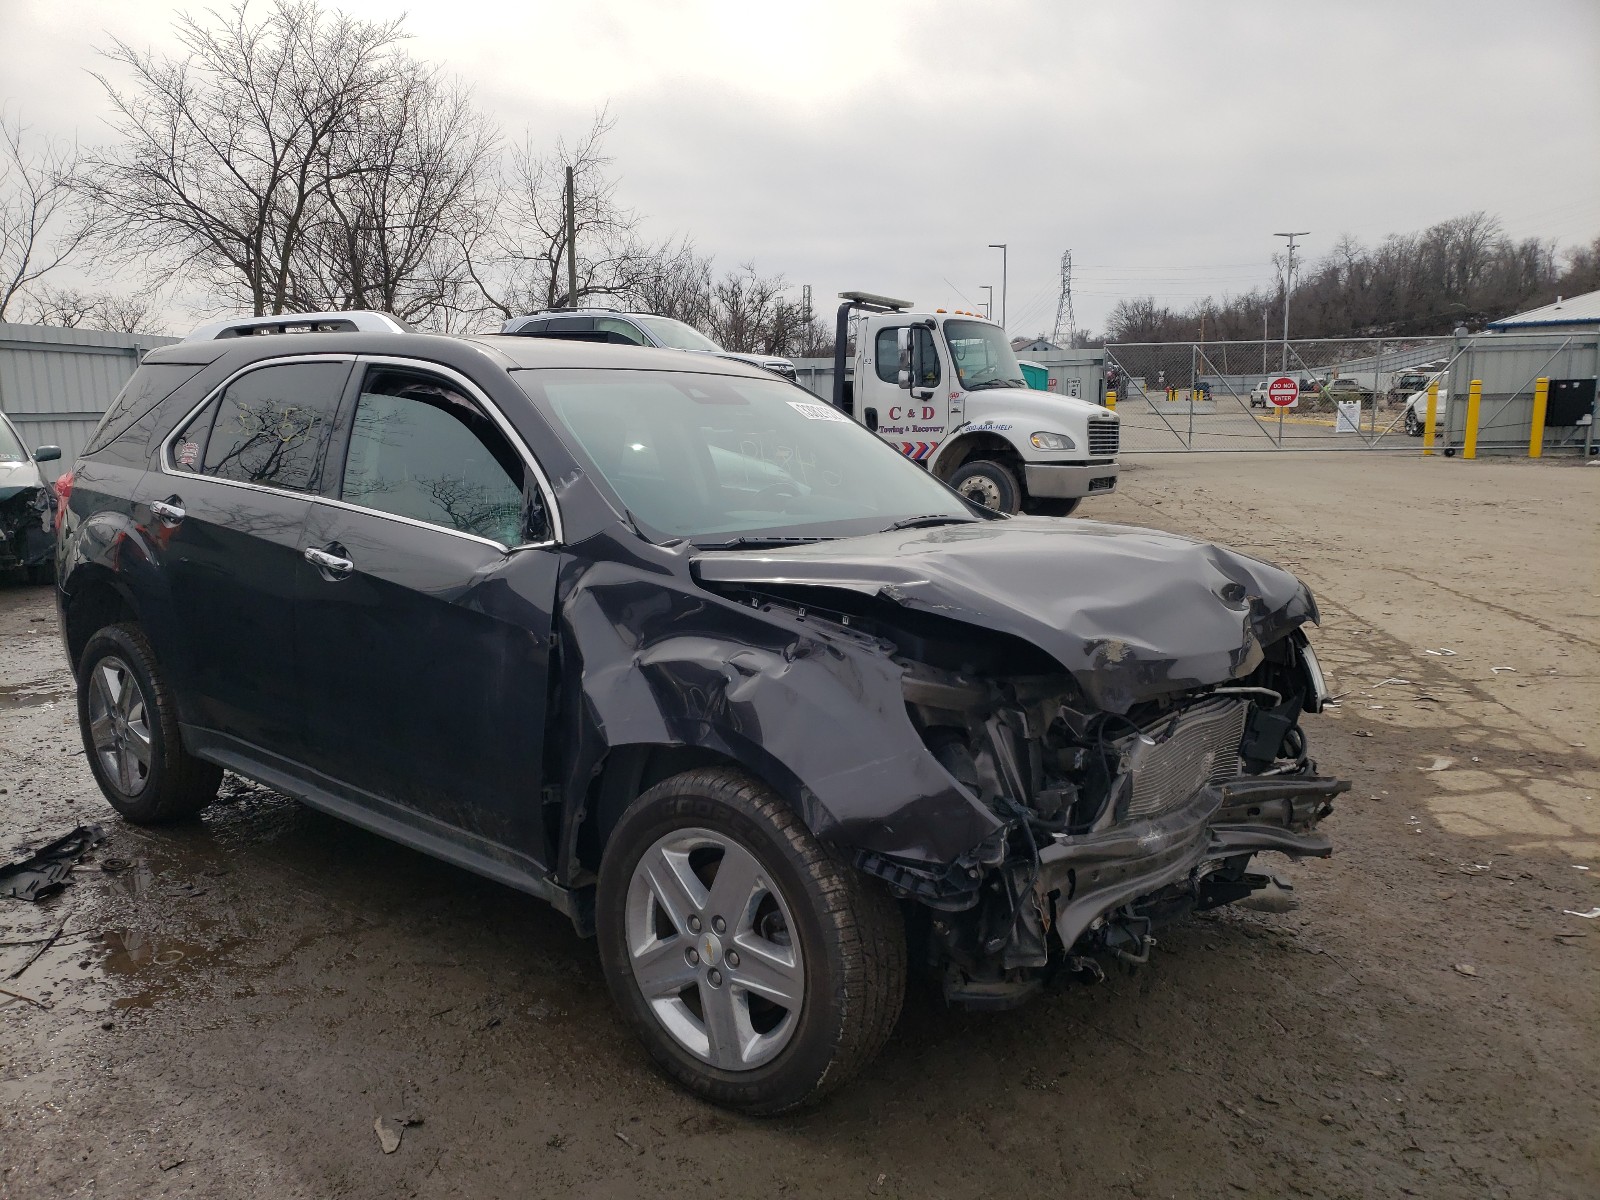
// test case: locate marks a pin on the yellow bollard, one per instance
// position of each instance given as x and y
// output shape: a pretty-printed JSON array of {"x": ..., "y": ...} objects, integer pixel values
[
  {"x": 1433, "y": 409},
  {"x": 1541, "y": 399},
  {"x": 1469, "y": 443},
  {"x": 1111, "y": 399}
]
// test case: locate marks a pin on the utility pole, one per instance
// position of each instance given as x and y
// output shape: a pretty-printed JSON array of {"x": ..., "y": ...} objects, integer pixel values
[
  {"x": 572, "y": 245},
  {"x": 1001, "y": 246},
  {"x": 805, "y": 306},
  {"x": 1264, "y": 312},
  {"x": 1288, "y": 282},
  {"x": 1064, "y": 316},
  {"x": 988, "y": 305}
]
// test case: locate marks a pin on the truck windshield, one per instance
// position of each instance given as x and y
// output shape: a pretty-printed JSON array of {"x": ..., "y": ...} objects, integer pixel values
[
  {"x": 677, "y": 335},
  {"x": 717, "y": 458},
  {"x": 982, "y": 356}
]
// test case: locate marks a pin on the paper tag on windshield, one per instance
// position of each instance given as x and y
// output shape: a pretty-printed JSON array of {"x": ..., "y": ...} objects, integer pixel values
[{"x": 817, "y": 412}]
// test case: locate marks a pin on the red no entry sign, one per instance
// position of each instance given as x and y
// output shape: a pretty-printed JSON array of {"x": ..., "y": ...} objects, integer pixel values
[{"x": 1283, "y": 391}]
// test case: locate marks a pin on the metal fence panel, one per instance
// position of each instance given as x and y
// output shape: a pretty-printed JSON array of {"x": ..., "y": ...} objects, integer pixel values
[{"x": 55, "y": 383}]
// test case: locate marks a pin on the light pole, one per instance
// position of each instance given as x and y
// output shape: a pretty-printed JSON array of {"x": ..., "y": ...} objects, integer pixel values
[
  {"x": 988, "y": 305},
  {"x": 1001, "y": 246},
  {"x": 1288, "y": 281}
]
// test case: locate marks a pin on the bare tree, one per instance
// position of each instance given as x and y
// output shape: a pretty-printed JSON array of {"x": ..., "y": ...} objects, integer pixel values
[
  {"x": 42, "y": 224},
  {"x": 229, "y": 152},
  {"x": 72, "y": 308},
  {"x": 387, "y": 235},
  {"x": 521, "y": 263}
]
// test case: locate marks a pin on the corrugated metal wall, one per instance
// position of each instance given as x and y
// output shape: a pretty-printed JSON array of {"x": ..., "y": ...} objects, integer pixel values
[
  {"x": 1508, "y": 364},
  {"x": 55, "y": 383}
]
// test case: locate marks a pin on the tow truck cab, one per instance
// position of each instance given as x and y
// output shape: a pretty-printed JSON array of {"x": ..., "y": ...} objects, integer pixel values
[{"x": 945, "y": 389}]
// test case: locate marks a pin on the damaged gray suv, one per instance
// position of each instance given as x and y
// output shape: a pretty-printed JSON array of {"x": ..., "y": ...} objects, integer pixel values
[{"x": 760, "y": 704}]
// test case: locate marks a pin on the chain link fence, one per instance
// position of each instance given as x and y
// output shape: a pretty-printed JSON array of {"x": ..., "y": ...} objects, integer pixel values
[{"x": 1353, "y": 392}]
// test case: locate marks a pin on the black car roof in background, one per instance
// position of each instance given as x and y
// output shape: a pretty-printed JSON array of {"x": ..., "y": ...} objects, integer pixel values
[{"x": 507, "y": 351}]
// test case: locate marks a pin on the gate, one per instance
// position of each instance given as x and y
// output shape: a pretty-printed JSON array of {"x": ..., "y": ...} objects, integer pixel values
[{"x": 1187, "y": 396}]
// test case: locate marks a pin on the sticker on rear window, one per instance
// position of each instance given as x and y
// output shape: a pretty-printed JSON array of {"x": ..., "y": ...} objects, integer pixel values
[{"x": 817, "y": 412}]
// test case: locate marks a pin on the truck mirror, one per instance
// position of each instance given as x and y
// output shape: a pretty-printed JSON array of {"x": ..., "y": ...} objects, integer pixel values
[
  {"x": 902, "y": 338},
  {"x": 871, "y": 416}
]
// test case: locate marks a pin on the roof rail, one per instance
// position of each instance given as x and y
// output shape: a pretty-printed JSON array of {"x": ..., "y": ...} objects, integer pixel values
[{"x": 354, "y": 321}]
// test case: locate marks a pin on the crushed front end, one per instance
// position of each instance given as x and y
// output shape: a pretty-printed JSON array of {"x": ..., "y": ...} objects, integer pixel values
[
  {"x": 1115, "y": 821},
  {"x": 25, "y": 537}
]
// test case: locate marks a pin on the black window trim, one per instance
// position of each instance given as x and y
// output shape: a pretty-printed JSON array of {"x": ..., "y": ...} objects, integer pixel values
[{"x": 360, "y": 362}]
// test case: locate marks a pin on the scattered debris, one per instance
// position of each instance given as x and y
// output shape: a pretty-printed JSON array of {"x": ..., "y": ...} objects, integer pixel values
[
  {"x": 876, "y": 1187},
  {"x": 20, "y": 996},
  {"x": 1387, "y": 682},
  {"x": 1587, "y": 916},
  {"x": 168, "y": 1163},
  {"x": 113, "y": 865},
  {"x": 1498, "y": 670},
  {"x": 39, "y": 953},
  {"x": 1439, "y": 763},
  {"x": 1442, "y": 650},
  {"x": 1466, "y": 969},
  {"x": 1425, "y": 698},
  {"x": 389, "y": 1135},
  {"x": 1579, "y": 867},
  {"x": 49, "y": 869},
  {"x": 628, "y": 1141},
  {"x": 1363, "y": 733}
]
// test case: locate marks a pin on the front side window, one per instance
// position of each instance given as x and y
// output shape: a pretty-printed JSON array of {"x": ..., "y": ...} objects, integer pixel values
[
  {"x": 269, "y": 427},
  {"x": 419, "y": 448},
  {"x": 714, "y": 457},
  {"x": 924, "y": 356},
  {"x": 982, "y": 355}
]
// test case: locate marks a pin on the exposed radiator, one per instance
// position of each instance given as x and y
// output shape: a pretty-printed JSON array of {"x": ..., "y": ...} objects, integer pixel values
[{"x": 1175, "y": 757}]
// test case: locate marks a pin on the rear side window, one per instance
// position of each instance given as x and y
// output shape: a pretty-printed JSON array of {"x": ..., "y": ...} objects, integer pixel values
[
  {"x": 149, "y": 386},
  {"x": 421, "y": 449},
  {"x": 622, "y": 333},
  {"x": 268, "y": 427}
]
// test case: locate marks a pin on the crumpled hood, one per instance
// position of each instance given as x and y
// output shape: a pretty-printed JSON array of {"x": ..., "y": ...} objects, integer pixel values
[
  {"x": 1133, "y": 613},
  {"x": 15, "y": 475}
]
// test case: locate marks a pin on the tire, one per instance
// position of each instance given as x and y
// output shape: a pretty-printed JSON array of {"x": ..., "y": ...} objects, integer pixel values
[
  {"x": 1413, "y": 426},
  {"x": 41, "y": 574},
  {"x": 169, "y": 784},
  {"x": 839, "y": 936},
  {"x": 1052, "y": 507},
  {"x": 988, "y": 483}
]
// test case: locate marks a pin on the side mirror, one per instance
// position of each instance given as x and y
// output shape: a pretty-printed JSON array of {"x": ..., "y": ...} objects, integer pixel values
[
  {"x": 47, "y": 454},
  {"x": 872, "y": 417},
  {"x": 903, "y": 340}
]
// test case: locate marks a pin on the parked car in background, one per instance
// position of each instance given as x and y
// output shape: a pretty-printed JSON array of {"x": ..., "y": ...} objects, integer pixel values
[
  {"x": 1416, "y": 412},
  {"x": 26, "y": 505},
  {"x": 749, "y": 695},
  {"x": 635, "y": 329},
  {"x": 1258, "y": 394}
]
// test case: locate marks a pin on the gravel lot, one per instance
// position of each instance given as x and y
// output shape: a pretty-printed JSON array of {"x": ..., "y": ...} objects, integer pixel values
[{"x": 229, "y": 1013}]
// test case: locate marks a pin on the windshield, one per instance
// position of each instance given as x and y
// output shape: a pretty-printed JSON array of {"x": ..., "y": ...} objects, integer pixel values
[
  {"x": 677, "y": 335},
  {"x": 982, "y": 355},
  {"x": 717, "y": 458},
  {"x": 10, "y": 448}
]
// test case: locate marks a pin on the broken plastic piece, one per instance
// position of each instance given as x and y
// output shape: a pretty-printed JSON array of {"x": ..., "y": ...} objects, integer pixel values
[
  {"x": 1588, "y": 916},
  {"x": 48, "y": 869}
]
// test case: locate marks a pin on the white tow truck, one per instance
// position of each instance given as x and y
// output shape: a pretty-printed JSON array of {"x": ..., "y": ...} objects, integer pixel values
[{"x": 944, "y": 388}]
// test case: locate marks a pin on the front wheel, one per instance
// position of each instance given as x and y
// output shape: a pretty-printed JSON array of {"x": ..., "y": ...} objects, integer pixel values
[
  {"x": 1413, "y": 426},
  {"x": 758, "y": 967},
  {"x": 989, "y": 484}
]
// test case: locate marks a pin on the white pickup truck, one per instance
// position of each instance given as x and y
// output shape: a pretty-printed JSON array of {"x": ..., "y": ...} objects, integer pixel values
[{"x": 946, "y": 391}]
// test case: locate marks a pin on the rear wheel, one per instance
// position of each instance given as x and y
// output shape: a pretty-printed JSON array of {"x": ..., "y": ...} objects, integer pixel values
[
  {"x": 758, "y": 967},
  {"x": 989, "y": 484},
  {"x": 1413, "y": 426},
  {"x": 130, "y": 732}
]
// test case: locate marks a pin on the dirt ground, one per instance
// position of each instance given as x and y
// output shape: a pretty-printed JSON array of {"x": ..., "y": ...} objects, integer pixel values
[{"x": 228, "y": 1014}]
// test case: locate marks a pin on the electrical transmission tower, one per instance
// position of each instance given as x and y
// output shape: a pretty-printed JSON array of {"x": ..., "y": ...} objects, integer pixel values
[{"x": 1064, "y": 318}]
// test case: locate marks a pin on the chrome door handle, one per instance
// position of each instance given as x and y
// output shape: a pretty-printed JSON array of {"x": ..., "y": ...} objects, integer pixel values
[
  {"x": 167, "y": 512},
  {"x": 330, "y": 563}
]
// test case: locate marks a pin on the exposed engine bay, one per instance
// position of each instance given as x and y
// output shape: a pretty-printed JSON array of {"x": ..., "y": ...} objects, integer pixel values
[{"x": 25, "y": 537}]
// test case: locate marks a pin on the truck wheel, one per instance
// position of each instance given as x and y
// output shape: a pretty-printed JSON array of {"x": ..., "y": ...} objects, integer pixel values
[
  {"x": 760, "y": 969},
  {"x": 989, "y": 484},
  {"x": 1413, "y": 426},
  {"x": 1052, "y": 507},
  {"x": 130, "y": 732}
]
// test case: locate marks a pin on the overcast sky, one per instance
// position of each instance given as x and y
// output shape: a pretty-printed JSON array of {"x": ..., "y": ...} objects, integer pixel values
[{"x": 882, "y": 146}]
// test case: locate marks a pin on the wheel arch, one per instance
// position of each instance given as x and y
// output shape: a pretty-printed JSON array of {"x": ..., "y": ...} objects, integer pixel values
[
  {"x": 978, "y": 444},
  {"x": 98, "y": 598}
]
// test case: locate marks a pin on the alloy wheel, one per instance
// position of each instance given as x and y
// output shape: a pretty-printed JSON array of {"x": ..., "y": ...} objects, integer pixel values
[
  {"x": 713, "y": 950},
  {"x": 119, "y": 724}
]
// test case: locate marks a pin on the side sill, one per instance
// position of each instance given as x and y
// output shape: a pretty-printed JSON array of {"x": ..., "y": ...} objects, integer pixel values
[{"x": 393, "y": 821}]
